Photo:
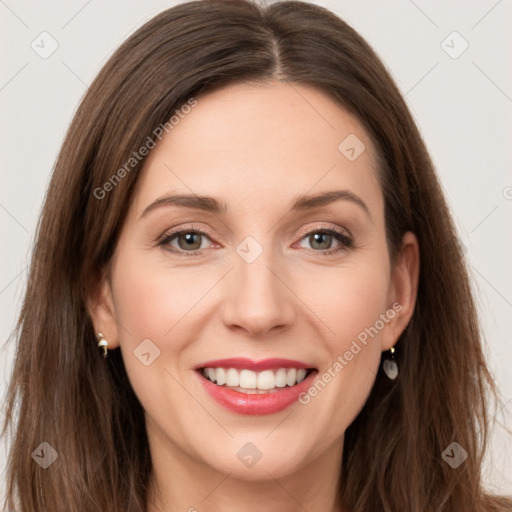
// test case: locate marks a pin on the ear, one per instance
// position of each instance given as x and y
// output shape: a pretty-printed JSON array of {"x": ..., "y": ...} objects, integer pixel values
[
  {"x": 100, "y": 305},
  {"x": 403, "y": 289}
]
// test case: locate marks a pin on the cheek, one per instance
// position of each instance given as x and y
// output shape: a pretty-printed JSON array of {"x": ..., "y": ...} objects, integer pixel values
[
  {"x": 151, "y": 302},
  {"x": 348, "y": 300}
]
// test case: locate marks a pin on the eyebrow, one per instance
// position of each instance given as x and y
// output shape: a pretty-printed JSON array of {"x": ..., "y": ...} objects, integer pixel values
[{"x": 212, "y": 205}]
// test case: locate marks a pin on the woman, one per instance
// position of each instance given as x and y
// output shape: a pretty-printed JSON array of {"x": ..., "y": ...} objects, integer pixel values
[{"x": 241, "y": 366}]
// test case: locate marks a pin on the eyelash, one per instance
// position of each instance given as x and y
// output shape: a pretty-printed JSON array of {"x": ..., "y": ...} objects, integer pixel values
[{"x": 346, "y": 241}]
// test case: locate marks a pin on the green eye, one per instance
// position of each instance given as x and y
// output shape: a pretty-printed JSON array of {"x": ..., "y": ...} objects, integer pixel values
[{"x": 323, "y": 239}]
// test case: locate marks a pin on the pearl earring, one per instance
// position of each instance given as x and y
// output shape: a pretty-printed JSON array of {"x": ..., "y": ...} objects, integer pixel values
[
  {"x": 103, "y": 343},
  {"x": 390, "y": 366}
]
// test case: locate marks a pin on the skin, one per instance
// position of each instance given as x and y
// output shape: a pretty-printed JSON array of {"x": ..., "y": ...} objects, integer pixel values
[{"x": 257, "y": 147}]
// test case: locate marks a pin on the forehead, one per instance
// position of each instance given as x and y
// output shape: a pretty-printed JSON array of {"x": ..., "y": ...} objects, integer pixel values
[{"x": 259, "y": 144}]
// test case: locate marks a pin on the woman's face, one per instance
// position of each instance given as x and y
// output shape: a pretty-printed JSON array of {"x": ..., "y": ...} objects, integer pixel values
[{"x": 293, "y": 265}]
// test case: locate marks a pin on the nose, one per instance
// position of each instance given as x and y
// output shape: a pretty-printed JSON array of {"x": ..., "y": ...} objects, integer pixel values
[{"x": 259, "y": 300}]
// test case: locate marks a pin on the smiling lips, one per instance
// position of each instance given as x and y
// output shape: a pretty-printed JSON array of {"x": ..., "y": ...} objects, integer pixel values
[{"x": 255, "y": 388}]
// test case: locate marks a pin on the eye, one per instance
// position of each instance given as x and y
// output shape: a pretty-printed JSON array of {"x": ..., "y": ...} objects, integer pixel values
[
  {"x": 322, "y": 239},
  {"x": 189, "y": 240}
]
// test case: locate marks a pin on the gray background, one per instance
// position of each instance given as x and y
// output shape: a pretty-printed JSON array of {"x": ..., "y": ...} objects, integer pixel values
[{"x": 463, "y": 106}]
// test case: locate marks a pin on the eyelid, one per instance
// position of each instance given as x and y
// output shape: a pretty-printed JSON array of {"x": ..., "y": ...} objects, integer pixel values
[
  {"x": 322, "y": 227},
  {"x": 169, "y": 234}
]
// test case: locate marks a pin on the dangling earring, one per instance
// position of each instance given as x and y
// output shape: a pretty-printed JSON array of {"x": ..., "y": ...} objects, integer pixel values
[
  {"x": 390, "y": 366},
  {"x": 103, "y": 343}
]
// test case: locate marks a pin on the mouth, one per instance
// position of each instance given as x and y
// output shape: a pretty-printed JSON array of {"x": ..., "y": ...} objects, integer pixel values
[{"x": 255, "y": 388}]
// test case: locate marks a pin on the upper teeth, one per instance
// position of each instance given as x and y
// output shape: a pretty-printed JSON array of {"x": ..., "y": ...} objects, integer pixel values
[{"x": 248, "y": 379}]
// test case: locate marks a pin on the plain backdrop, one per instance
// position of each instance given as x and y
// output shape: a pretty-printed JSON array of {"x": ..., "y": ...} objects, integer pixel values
[{"x": 451, "y": 60}]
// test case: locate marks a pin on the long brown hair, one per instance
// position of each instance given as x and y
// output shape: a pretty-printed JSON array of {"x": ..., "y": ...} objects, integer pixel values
[{"x": 60, "y": 391}]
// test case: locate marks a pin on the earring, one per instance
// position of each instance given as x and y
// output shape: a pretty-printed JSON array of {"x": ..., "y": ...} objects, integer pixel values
[
  {"x": 103, "y": 343},
  {"x": 390, "y": 366}
]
